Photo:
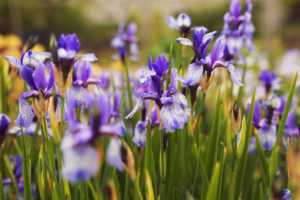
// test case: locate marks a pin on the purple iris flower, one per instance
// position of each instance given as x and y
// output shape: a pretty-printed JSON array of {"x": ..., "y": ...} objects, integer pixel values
[
  {"x": 68, "y": 46},
  {"x": 126, "y": 39},
  {"x": 287, "y": 195},
  {"x": 83, "y": 74},
  {"x": 38, "y": 81},
  {"x": 202, "y": 62},
  {"x": 4, "y": 123},
  {"x": 266, "y": 127},
  {"x": 174, "y": 108},
  {"x": 270, "y": 80},
  {"x": 29, "y": 59},
  {"x": 182, "y": 23},
  {"x": 238, "y": 29}
]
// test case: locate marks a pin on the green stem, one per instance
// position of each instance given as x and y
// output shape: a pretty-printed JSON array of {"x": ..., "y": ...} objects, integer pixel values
[
  {"x": 128, "y": 84},
  {"x": 3, "y": 96},
  {"x": 162, "y": 179},
  {"x": 27, "y": 184},
  {"x": 138, "y": 189}
]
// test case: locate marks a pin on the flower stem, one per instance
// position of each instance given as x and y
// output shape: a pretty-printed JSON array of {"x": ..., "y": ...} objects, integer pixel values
[{"x": 128, "y": 84}]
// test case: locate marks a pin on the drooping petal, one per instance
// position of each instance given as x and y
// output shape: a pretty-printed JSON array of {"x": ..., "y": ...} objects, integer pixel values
[
  {"x": 30, "y": 93},
  {"x": 184, "y": 41},
  {"x": 140, "y": 134},
  {"x": 172, "y": 22},
  {"x": 194, "y": 74},
  {"x": 26, "y": 74},
  {"x": 113, "y": 155},
  {"x": 77, "y": 134},
  {"x": 13, "y": 60},
  {"x": 80, "y": 163},
  {"x": 39, "y": 77},
  {"x": 234, "y": 76},
  {"x": 26, "y": 114},
  {"x": 172, "y": 117}
]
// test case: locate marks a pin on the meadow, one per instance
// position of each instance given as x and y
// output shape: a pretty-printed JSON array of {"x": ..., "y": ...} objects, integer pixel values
[{"x": 207, "y": 119}]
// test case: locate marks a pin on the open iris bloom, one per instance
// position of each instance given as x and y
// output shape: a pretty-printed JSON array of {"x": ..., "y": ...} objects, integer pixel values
[
  {"x": 270, "y": 81},
  {"x": 174, "y": 109},
  {"x": 68, "y": 47},
  {"x": 125, "y": 41},
  {"x": 267, "y": 126},
  {"x": 238, "y": 29},
  {"x": 40, "y": 89},
  {"x": 81, "y": 158},
  {"x": 203, "y": 63}
]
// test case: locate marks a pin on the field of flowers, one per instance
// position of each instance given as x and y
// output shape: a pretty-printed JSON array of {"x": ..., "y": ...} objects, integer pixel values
[{"x": 210, "y": 119}]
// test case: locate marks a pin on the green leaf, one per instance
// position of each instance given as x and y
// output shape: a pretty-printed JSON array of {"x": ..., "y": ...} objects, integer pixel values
[
  {"x": 2, "y": 195},
  {"x": 26, "y": 173},
  {"x": 262, "y": 155},
  {"x": 240, "y": 166},
  {"x": 274, "y": 155},
  {"x": 213, "y": 185},
  {"x": 228, "y": 139},
  {"x": 241, "y": 144},
  {"x": 213, "y": 140},
  {"x": 171, "y": 65}
]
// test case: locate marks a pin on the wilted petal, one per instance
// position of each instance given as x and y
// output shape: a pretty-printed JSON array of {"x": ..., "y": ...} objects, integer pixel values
[
  {"x": 184, "y": 41},
  {"x": 234, "y": 76},
  {"x": 13, "y": 60},
  {"x": 172, "y": 23},
  {"x": 26, "y": 114},
  {"x": 80, "y": 163},
  {"x": 113, "y": 155}
]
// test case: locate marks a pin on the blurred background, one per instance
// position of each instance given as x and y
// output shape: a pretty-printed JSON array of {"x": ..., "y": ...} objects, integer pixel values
[{"x": 96, "y": 22}]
